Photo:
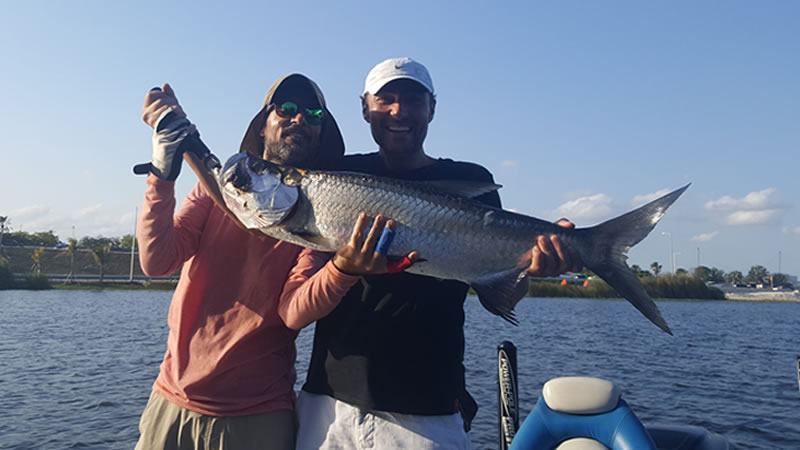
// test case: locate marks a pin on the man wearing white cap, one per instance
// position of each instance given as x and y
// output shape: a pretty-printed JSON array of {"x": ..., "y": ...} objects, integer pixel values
[{"x": 386, "y": 369}]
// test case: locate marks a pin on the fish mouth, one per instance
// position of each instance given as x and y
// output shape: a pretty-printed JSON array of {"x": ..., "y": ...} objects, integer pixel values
[
  {"x": 253, "y": 189},
  {"x": 240, "y": 169},
  {"x": 235, "y": 173}
]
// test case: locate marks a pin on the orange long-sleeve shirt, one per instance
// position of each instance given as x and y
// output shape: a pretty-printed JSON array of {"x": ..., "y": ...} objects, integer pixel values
[{"x": 238, "y": 305}]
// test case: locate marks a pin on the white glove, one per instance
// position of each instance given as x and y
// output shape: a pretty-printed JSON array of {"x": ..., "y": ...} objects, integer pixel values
[{"x": 167, "y": 155}]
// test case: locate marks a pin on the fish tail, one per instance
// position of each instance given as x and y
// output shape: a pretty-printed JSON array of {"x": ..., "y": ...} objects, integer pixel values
[{"x": 610, "y": 242}]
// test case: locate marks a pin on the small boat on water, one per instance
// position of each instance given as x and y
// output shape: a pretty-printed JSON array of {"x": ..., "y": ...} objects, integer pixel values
[{"x": 584, "y": 413}]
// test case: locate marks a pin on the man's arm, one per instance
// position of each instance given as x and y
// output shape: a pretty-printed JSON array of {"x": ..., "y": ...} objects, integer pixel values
[
  {"x": 313, "y": 289},
  {"x": 166, "y": 242},
  {"x": 308, "y": 296}
]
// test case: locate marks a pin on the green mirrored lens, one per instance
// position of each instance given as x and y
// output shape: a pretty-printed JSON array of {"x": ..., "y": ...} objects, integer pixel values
[
  {"x": 287, "y": 109},
  {"x": 314, "y": 116}
]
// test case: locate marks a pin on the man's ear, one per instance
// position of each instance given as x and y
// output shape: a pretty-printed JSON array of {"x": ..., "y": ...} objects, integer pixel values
[
  {"x": 433, "y": 108},
  {"x": 267, "y": 112},
  {"x": 365, "y": 107}
]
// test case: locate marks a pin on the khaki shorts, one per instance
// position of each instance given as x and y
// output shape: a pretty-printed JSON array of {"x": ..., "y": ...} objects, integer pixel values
[{"x": 167, "y": 426}]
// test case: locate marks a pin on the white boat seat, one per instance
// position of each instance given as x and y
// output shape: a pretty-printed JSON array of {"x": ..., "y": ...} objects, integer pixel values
[
  {"x": 580, "y": 395},
  {"x": 581, "y": 444}
]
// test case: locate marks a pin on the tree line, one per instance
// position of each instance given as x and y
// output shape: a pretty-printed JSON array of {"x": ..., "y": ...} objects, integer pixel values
[
  {"x": 48, "y": 239},
  {"x": 101, "y": 246},
  {"x": 757, "y": 274}
]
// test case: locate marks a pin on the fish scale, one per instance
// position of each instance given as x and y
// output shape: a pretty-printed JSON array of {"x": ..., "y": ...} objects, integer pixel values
[{"x": 443, "y": 229}]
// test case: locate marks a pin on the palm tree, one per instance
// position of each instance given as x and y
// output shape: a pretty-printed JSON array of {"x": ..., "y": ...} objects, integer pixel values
[
  {"x": 3, "y": 222},
  {"x": 70, "y": 249},
  {"x": 3, "y": 228},
  {"x": 100, "y": 254},
  {"x": 37, "y": 260},
  {"x": 655, "y": 267}
]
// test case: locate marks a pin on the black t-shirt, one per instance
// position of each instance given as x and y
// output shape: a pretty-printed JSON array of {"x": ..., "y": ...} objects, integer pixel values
[{"x": 396, "y": 342}]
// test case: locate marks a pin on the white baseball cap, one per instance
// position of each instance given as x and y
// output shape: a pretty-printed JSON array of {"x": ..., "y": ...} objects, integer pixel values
[{"x": 395, "y": 69}]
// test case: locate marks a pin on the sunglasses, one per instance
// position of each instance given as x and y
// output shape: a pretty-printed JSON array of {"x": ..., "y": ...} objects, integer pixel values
[{"x": 287, "y": 110}]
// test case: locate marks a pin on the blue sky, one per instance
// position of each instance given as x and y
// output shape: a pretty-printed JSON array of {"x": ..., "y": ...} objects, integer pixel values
[{"x": 580, "y": 109}]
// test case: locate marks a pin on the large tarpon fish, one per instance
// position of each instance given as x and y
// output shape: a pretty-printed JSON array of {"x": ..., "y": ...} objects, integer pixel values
[{"x": 457, "y": 237}]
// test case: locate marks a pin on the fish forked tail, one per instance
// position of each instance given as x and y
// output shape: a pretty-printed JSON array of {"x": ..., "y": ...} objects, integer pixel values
[{"x": 610, "y": 242}]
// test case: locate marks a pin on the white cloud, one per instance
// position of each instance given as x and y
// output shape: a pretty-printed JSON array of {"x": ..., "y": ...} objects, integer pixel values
[
  {"x": 796, "y": 230},
  {"x": 86, "y": 212},
  {"x": 751, "y": 217},
  {"x": 509, "y": 163},
  {"x": 28, "y": 213},
  {"x": 128, "y": 218},
  {"x": 639, "y": 200},
  {"x": 705, "y": 237},
  {"x": 755, "y": 208},
  {"x": 592, "y": 207},
  {"x": 753, "y": 200}
]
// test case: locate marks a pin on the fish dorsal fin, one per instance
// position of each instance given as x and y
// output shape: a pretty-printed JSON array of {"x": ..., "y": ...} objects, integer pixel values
[
  {"x": 500, "y": 292},
  {"x": 469, "y": 189}
]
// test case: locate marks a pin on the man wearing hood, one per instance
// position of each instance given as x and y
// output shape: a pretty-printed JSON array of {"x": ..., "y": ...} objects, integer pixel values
[{"x": 227, "y": 378}]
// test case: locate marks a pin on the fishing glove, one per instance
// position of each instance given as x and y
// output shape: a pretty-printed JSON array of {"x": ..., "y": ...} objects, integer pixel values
[{"x": 167, "y": 139}]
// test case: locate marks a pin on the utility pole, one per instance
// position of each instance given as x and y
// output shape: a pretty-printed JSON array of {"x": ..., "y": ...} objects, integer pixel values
[{"x": 133, "y": 241}]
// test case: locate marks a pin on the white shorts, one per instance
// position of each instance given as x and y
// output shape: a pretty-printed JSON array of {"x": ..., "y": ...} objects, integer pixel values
[{"x": 327, "y": 423}]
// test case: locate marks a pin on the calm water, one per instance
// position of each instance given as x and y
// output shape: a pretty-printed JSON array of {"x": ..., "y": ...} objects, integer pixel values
[{"x": 77, "y": 367}]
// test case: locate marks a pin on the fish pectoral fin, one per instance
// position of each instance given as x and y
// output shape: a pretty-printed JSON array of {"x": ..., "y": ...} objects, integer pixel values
[
  {"x": 302, "y": 239},
  {"x": 500, "y": 292},
  {"x": 469, "y": 189}
]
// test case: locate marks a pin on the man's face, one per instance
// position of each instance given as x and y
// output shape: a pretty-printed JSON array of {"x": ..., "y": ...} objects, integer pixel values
[
  {"x": 290, "y": 139},
  {"x": 399, "y": 115}
]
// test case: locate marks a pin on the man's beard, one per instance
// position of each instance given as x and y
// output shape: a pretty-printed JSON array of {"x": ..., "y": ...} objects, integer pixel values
[{"x": 289, "y": 154}]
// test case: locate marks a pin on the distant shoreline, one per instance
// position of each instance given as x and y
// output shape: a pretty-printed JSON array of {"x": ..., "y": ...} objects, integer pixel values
[
  {"x": 747, "y": 294},
  {"x": 538, "y": 290},
  {"x": 763, "y": 297}
]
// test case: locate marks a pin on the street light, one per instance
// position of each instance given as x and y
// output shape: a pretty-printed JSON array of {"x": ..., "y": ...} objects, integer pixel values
[
  {"x": 671, "y": 252},
  {"x": 133, "y": 242}
]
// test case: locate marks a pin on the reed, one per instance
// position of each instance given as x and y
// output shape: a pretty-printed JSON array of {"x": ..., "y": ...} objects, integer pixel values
[{"x": 665, "y": 286}]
